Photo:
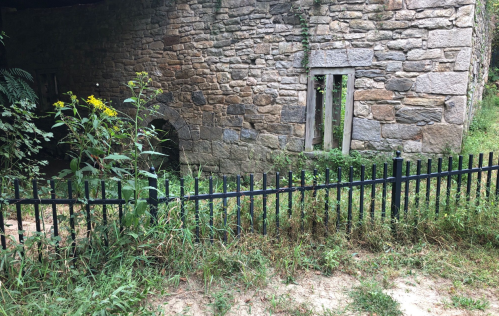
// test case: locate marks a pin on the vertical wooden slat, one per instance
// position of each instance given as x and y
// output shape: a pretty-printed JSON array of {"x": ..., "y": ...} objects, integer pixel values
[
  {"x": 347, "y": 125},
  {"x": 310, "y": 116},
  {"x": 328, "y": 116}
]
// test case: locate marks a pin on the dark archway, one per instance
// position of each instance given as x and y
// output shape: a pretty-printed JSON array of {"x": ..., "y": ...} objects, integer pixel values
[{"x": 167, "y": 143}]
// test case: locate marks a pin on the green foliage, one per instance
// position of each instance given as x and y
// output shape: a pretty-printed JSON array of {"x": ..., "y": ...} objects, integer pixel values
[
  {"x": 14, "y": 86},
  {"x": 300, "y": 13},
  {"x": 369, "y": 297},
  {"x": 20, "y": 139},
  {"x": 469, "y": 303},
  {"x": 222, "y": 303}
]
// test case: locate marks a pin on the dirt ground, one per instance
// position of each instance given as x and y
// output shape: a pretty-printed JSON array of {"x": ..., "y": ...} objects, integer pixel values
[{"x": 417, "y": 295}]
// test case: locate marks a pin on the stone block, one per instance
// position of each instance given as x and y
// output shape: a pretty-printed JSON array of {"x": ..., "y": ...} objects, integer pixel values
[
  {"x": 390, "y": 5},
  {"x": 269, "y": 140},
  {"x": 420, "y": 54},
  {"x": 361, "y": 109},
  {"x": 211, "y": 133},
  {"x": 393, "y": 25},
  {"x": 455, "y": 110},
  {"x": 417, "y": 66},
  {"x": 374, "y": 36},
  {"x": 281, "y": 129},
  {"x": 249, "y": 135},
  {"x": 394, "y": 66},
  {"x": 353, "y": 57},
  {"x": 228, "y": 166},
  {"x": 383, "y": 112},
  {"x": 463, "y": 59},
  {"x": 369, "y": 73},
  {"x": 166, "y": 98},
  {"x": 223, "y": 77},
  {"x": 230, "y": 135},
  {"x": 239, "y": 153},
  {"x": 432, "y": 23},
  {"x": 293, "y": 114},
  {"x": 439, "y": 138},
  {"x": 399, "y": 84},
  {"x": 357, "y": 145},
  {"x": 464, "y": 16},
  {"x": 415, "y": 115},
  {"x": 280, "y": 8},
  {"x": 373, "y": 95},
  {"x": 386, "y": 145},
  {"x": 236, "y": 109},
  {"x": 405, "y": 44},
  {"x": 425, "y": 102},
  {"x": 295, "y": 144},
  {"x": 239, "y": 74},
  {"x": 401, "y": 131},
  {"x": 171, "y": 40},
  {"x": 362, "y": 25},
  {"x": 442, "y": 83},
  {"x": 390, "y": 55},
  {"x": 364, "y": 129},
  {"x": 198, "y": 98},
  {"x": 424, "y": 4},
  {"x": 233, "y": 121},
  {"x": 262, "y": 48},
  {"x": 456, "y": 37},
  {"x": 262, "y": 99},
  {"x": 412, "y": 146}
]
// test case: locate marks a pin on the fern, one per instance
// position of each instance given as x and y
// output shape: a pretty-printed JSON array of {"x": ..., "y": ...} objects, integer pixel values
[{"x": 14, "y": 86}]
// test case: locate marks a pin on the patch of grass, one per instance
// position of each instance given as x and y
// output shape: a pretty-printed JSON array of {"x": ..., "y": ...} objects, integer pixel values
[
  {"x": 369, "y": 297},
  {"x": 469, "y": 303},
  {"x": 222, "y": 303}
]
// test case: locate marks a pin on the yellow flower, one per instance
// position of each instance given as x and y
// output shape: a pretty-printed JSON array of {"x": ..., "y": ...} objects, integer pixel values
[
  {"x": 97, "y": 103},
  {"x": 73, "y": 97},
  {"x": 131, "y": 83},
  {"x": 59, "y": 104},
  {"x": 116, "y": 128},
  {"x": 110, "y": 112}
]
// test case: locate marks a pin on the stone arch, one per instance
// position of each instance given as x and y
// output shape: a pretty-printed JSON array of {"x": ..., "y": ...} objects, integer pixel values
[
  {"x": 174, "y": 128},
  {"x": 173, "y": 117}
]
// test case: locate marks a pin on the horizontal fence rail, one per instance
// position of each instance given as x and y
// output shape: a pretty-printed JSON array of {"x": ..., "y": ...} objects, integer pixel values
[{"x": 278, "y": 203}]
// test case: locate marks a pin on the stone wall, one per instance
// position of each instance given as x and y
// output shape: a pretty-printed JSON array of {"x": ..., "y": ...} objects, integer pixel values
[{"x": 235, "y": 84}]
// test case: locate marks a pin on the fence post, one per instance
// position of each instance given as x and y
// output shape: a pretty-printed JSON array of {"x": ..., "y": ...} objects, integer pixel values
[
  {"x": 396, "y": 188},
  {"x": 153, "y": 195}
]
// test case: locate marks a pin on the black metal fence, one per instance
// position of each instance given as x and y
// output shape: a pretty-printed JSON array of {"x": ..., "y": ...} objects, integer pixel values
[{"x": 403, "y": 185}]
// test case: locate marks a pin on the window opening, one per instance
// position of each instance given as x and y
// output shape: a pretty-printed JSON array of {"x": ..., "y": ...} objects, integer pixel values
[
  {"x": 167, "y": 142},
  {"x": 49, "y": 90},
  {"x": 329, "y": 109}
]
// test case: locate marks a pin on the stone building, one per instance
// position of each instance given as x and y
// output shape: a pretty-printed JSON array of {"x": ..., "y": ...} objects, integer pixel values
[{"x": 247, "y": 79}]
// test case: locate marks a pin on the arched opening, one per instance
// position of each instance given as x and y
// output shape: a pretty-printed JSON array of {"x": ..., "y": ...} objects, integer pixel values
[{"x": 166, "y": 143}]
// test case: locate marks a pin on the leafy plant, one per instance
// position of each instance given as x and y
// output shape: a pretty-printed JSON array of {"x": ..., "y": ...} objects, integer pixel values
[
  {"x": 369, "y": 297},
  {"x": 469, "y": 303}
]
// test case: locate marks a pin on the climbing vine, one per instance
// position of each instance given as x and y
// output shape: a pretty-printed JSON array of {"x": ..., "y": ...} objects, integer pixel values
[{"x": 299, "y": 12}]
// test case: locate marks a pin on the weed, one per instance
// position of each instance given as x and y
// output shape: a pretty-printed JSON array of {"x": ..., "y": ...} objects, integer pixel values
[
  {"x": 369, "y": 297},
  {"x": 222, "y": 303},
  {"x": 469, "y": 303}
]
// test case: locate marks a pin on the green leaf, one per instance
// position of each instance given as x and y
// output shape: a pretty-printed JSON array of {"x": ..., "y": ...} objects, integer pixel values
[
  {"x": 129, "y": 100},
  {"x": 57, "y": 125},
  {"x": 149, "y": 152},
  {"x": 140, "y": 207},
  {"x": 127, "y": 194},
  {"x": 117, "y": 157},
  {"x": 74, "y": 164}
]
